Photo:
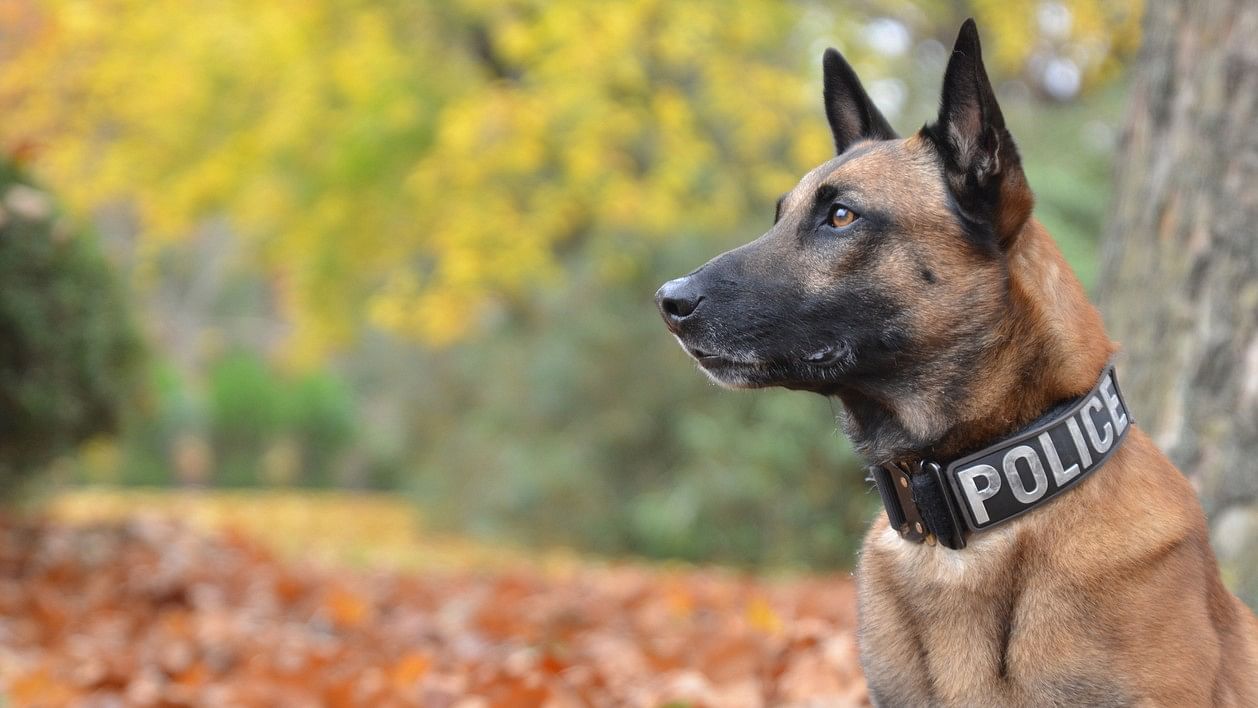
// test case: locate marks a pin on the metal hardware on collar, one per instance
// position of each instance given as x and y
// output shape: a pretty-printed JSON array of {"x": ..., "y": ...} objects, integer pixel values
[
  {"x": 928, "y": 502},
  {"x": 918, "y": 505}
]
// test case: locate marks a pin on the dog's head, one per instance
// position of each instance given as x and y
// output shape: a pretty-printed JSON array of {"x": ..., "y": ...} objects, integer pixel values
[{"x": 885, "y": 262}]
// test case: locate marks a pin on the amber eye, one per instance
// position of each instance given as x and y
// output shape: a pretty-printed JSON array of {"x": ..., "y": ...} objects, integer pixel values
[{"x": 841, "y": 216}]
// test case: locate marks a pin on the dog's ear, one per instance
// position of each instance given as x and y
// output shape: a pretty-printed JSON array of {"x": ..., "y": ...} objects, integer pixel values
[
  {"x": 981, "y": 162},
  {"x": 851, "y": 114}
]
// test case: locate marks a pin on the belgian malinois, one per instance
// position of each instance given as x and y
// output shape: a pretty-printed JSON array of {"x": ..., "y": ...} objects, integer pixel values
[{"x": 1038, "y": 549}]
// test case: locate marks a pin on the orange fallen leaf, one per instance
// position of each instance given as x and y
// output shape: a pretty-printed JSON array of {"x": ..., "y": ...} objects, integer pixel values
[
  {"x": 345, "y": 608},
  {"x": 408, "y": 670}
]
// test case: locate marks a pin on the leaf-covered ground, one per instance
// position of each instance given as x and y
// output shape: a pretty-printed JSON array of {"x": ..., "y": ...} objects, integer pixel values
[{"x": 146, "y": 611}]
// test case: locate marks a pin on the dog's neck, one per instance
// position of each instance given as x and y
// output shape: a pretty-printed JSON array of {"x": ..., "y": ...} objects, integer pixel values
[{"x": 1048, "y": 345}]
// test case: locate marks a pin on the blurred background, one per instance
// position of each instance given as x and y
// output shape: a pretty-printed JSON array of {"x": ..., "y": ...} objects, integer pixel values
[
  {"x": 368, "y": 284},
  {"x": 412, "y": 246}
]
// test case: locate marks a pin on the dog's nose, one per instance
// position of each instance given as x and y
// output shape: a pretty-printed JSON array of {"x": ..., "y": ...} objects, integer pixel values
[{"x": 677, "y": 300}]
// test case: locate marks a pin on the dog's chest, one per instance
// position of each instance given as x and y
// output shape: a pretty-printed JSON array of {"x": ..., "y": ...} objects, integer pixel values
[{"x": 942, "y": 627}]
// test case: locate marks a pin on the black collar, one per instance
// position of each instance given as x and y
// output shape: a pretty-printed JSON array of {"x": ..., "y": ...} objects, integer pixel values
[{"x": 929, "y": 502}]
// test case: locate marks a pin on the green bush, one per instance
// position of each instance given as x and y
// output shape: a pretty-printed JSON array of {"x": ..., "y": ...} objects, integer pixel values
[
  {"x": 249, "y": 424},
  {"x": 151, "y": 432},
  {"x": 320, "y": 411},
  {"x": 244, "y": 412},
  {"x": 255, "y": 411},
  {"x": 68, "y": 348}
]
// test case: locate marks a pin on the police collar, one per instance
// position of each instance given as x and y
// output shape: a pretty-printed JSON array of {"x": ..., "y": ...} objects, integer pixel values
[{"x": 944, "y": 502}]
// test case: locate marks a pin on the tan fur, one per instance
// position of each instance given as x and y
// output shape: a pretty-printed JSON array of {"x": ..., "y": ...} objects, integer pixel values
[{"x": 1109, "y": 595}]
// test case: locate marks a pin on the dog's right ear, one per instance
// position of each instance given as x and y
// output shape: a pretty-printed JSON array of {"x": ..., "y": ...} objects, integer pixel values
[{"x": 851, "y": 114}]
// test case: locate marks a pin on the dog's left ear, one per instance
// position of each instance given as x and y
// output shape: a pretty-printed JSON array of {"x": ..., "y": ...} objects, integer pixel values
[
  {"x": 980, "y": 159},
  {"x": 851, "y": 114}
]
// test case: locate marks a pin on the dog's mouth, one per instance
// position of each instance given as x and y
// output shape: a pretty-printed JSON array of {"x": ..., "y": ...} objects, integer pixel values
[
  {"x": 729, "y": 371},
  {"x": 825, "y": 356},
  {"x": 709, "y": 360}
]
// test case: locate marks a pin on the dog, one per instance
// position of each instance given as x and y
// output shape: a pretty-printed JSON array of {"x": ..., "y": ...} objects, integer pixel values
[{"x": 1038, "y": 549}]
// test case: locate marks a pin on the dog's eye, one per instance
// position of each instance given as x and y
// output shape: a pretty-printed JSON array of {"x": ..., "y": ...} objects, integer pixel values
[{"x": 841, "y": 216}]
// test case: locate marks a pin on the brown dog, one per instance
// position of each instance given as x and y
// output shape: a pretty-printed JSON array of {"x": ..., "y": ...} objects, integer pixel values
[{"x": 907, "y": 278}]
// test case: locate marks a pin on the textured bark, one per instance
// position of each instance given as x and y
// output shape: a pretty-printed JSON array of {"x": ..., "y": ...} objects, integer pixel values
[{"x": 1179, "y": 283}]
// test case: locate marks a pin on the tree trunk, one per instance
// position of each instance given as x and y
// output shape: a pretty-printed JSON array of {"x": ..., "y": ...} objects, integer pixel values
[{"x": 1179, "y": 283}]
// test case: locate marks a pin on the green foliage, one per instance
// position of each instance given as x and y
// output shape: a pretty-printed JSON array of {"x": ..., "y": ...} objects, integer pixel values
[
  {"x": 244, "y": 400},
  {"x": 320, "y": 411},
  {"x": 68, "y": 349},
  {"x": 244, "y": 415},
  {"x": 252, "y": 424},
  {"x": 151, "y": 431}
]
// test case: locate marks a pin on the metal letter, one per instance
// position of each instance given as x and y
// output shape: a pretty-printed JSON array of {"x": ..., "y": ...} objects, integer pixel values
[
  {"x": 975, "y": 496},
  {"x": 1024, "y": 452},
  {"x": 1111, "y": 402},
  {"x": 1100, "y": 443}
]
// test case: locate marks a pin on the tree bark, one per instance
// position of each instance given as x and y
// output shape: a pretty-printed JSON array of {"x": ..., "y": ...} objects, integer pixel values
[{"x": 1179, "y": 283}]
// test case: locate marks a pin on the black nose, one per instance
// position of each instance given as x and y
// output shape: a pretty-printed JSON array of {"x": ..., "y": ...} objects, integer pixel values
[{"x": 677, "y": 300}]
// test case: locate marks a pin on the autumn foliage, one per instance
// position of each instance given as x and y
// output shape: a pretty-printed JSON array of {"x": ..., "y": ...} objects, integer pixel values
[{"x": 152, "y": 613}]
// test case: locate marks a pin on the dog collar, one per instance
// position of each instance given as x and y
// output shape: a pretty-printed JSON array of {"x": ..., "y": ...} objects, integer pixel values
[{"x": 929, "y": 502}]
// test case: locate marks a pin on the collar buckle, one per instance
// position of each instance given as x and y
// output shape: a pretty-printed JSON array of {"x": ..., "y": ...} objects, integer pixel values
[{"x": 919, "y": 507}]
